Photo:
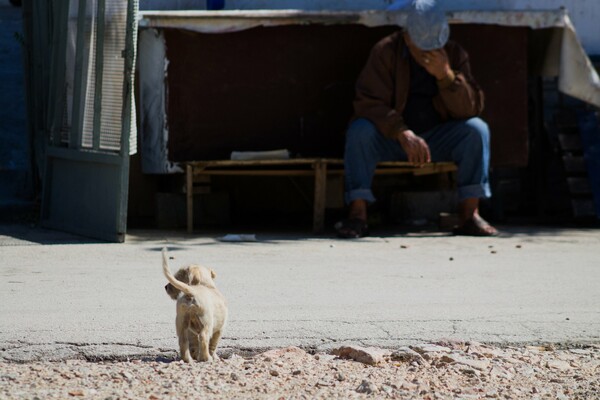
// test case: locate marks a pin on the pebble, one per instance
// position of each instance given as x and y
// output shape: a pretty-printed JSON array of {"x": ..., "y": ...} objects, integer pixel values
[
  {"x": 406, "y": 354},
  {"x": 366, "y": 387},
  {"x": 365, "y": 355}
]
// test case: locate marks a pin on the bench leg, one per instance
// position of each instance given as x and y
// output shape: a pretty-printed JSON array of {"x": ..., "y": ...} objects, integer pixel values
[
  {"x": 320, "y": 196},
  {"x": 189, "y": 189}
]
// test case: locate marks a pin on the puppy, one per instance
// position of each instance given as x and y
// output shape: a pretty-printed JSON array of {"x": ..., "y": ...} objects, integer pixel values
[
  {"x": 201, "y": 310},
  {"x": 192, "y": 275}
]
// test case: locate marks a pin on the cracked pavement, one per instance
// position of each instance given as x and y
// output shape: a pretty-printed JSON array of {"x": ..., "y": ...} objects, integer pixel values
[{"x": 64, "y": 297}]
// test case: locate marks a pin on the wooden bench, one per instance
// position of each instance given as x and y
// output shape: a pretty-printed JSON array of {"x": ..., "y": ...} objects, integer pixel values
[{"x": 317, "y": 167}]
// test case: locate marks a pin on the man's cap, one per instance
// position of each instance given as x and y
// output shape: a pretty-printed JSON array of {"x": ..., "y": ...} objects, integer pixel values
[{"x": 426, "y": 23}]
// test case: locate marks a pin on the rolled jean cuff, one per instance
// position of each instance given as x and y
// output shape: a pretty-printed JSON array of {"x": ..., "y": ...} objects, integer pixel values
[
  {"x": 474, "y": 191},
  {"x": 360, "y": 194}
]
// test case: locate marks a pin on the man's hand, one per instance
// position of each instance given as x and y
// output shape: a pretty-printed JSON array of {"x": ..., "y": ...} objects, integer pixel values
[
  {"x": 415, "y": 147},
  {"x": 436, "y": 63}
]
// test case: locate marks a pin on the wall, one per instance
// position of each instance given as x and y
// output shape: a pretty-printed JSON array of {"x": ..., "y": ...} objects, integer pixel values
[
  {"x": 292, "y": 87},
  {"x": 584, "y": 13},
  {"x": 15, "y": 178}
]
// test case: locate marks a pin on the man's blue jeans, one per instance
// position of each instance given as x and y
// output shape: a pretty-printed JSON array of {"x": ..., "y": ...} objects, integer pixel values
[{"x": 465, "y": 142}]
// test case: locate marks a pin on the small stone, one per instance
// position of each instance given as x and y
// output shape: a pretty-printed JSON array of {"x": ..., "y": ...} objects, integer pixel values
[
  {"x": 451, "y": 258},
  {"x": 366, "y": 387},
  {"x": 406, "y": 354},
  {"x": 497, "y": 372},
  {"x": 339, "y": 377},
  {"x": 387, "y": 389},
  {"x": 580, "y": 351},
  {"x": 559, "y": 365},
  {"x": 518, "y": 246},
  {"x": 480, "y": 365},
  {"x": 469, "y": 371},
  {"x": 429, "y": 348},
  {"x": 447, "y": 359},
  {"x": 493, "y": 252},
  {"x": 127, "y": 375},
  {"x": 212, "y": 388},
  {"x": 76, "y": 393},
  {"x": 324, "y": 383},
  {"x": 403, "y": 246},
  {"x": 296, "y": 372},
  {"x": 365, "y": 355},
  {"x": 408, "y": 386},
  {"x": 273, "y": 372},
  {"x": 287, "y": 352},
  {"x": 234, "y": 376}
]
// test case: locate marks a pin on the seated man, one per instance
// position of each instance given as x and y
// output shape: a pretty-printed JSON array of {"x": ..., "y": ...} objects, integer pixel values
[{"x": 416, "y": 100}]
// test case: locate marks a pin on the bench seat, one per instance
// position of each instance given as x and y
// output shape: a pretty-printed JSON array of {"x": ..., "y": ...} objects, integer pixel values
[{"x": 317, "y": 167}]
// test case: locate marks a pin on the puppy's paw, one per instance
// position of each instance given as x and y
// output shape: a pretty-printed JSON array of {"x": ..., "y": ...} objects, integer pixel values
[{"x": 204, "y": 359}]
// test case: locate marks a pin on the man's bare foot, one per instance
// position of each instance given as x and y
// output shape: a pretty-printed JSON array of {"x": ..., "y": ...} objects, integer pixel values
[
  {"x": 352, "y": 228},
  {"x": 355, "y": 226},
  {"x": 358, "y": 210},
  {"x": 476, "y": 226}
]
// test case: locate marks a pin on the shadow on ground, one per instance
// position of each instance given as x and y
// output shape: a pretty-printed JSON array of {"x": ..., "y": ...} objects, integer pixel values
[{"x": 28, "y": 234}]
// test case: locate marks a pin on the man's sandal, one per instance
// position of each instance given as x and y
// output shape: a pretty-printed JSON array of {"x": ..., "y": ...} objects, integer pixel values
[
  {"x": 352, "y": 228},
  {"x": 472, "y": 228}
]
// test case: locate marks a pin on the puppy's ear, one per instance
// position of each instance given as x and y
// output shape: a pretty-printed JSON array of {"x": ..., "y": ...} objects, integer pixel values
[
  {"x": 171, "y": 291},
  {"x": 195, "y": 276},
  {"x": 182, "y": 275},
  {"x": 213, "y": 274}
]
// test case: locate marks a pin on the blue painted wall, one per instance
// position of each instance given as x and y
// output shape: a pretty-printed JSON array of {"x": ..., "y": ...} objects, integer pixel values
[{"x": 15, "y": 174}]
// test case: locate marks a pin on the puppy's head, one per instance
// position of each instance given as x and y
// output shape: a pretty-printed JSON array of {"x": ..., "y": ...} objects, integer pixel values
[{"x": 192, "y": 275}]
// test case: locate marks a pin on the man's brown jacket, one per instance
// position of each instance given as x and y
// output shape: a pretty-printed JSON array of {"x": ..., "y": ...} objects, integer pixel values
[{"x": 382, "y": 87}]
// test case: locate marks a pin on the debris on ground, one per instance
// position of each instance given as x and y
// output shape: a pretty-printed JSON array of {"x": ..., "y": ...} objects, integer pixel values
[{"x": 445, "y": 370}]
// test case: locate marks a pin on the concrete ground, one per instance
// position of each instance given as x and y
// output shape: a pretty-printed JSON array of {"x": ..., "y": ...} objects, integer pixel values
[{"x": 62, "y": 296}]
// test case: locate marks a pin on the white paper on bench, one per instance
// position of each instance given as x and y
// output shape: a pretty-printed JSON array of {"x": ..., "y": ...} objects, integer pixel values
[
  {"x": 282, "y": 154},
  {"x": 233, "y": 237}
]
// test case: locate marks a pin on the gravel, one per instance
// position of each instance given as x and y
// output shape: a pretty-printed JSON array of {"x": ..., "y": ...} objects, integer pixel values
[{"x": 445, "y": 370}]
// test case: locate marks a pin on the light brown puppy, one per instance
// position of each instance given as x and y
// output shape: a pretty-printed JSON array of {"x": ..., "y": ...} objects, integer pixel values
[
  {"x": 192, "y": 275},
  {"x": 201, "y": 310}
]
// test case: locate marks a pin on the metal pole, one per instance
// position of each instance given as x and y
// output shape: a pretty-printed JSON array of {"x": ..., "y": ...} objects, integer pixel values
[
  {"x": 79, "y": 88},
  {"x": 99, "y": 74}
]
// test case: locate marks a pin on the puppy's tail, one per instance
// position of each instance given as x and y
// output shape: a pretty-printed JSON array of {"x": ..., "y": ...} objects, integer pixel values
[{"x": 185, "y": 288}]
